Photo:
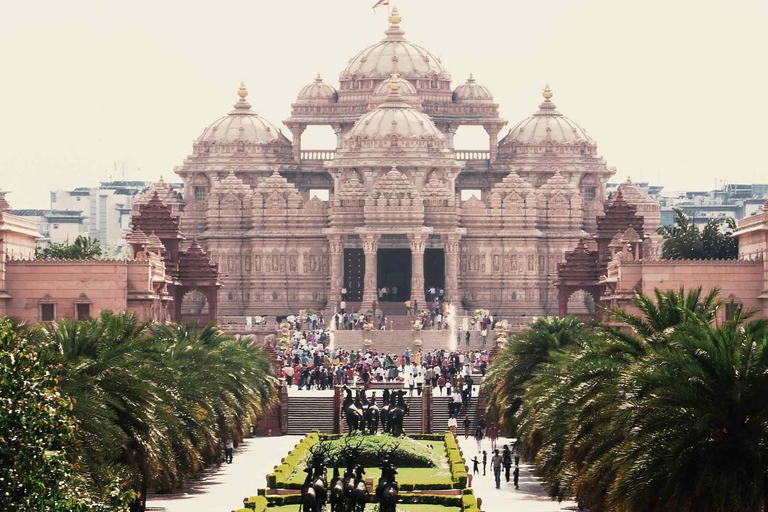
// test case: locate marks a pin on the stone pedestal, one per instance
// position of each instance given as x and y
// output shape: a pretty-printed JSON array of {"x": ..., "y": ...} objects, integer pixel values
[
  {"x": 370, "y": 246},
  {"x": 418, "y": 244}
]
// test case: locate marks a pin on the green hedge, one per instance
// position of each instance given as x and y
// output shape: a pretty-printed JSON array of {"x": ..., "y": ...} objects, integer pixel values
[
  {"x": 283, "y": 472},
  {"x": 469, "y": 503},
  {"x": 255, "y": 503},
  {"x": 458, "y": 469},
  {"x": 427, "y": 499}
]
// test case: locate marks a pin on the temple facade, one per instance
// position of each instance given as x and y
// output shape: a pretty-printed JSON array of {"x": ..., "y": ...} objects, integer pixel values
[{"x": 395, "y": 205}]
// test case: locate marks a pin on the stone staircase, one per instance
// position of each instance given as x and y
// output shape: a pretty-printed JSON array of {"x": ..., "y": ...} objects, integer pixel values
[
  {"x": 308, "y": 413},
  {"x": 440, "y": 415}
]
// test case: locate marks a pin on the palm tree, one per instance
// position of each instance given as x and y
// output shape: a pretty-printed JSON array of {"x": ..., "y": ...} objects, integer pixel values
[
  {"x": 156, "y": 402},
  {"x": 697, "y": 425},
  {"x": 520, "y": 359},
  {"x": 669, "y": 309}
]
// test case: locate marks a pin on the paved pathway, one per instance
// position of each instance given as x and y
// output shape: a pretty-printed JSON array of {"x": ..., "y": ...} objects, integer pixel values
[
  {"x": 223, "y": 489},
  {"x": 531, "y": 497}
]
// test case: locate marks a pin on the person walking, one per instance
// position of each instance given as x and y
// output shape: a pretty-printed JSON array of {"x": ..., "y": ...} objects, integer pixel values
[
  {"x": 466, "y": 336},
  {"x": 496, "y": 465},
  {"x": 493, "y": 434},
  {"x": 466, "y": 427},
  {"x": 230, "y": 450},
  {"x": 452, "y": 424},
  {"x": 408, "y": 307},
  {"x": 516, "y": 476},
  {"x": 485, "y": 461},
  {"x": 479, "y": 438},
  {"x": 507, "y": 459}
]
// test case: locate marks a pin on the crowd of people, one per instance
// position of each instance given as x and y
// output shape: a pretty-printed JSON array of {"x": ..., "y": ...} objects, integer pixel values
[{"x": 307, "y": 363}]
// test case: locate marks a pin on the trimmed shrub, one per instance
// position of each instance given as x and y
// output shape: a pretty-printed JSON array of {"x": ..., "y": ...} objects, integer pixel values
[{"x": 255, "y": 503}]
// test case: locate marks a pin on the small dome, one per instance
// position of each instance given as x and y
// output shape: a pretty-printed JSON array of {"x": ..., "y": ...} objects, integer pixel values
[
  {"x": 395, "y": 117},
  {"x": 547, "y": 125},
  {"x": 383, "y": 89},
  {"x": 472, "y": 92},
  {"x": 318, "y": 92},
  {"x": 407, "y": 91},
  {"x": 241, "y": 125},
  {"x": 394, "y": 54}
]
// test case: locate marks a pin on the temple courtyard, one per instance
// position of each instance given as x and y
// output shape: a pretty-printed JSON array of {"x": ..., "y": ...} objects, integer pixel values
[{"x": 223, "y": 489}]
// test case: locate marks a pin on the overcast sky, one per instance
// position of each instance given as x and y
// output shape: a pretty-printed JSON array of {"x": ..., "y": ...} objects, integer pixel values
[{"x": 670, "y": 89}]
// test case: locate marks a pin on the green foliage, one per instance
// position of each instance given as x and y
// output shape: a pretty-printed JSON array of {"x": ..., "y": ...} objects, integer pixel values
[
  {"x": 670, "y": 417},
  {"x": 155, "y": 402},
  {"x": 519, "y": 360},
  {"x": 36, "y": 428},
  {"x": 684, "y": 241},
  {"x": 83, "y": 248},
  {"x": 409, "y": 452}
]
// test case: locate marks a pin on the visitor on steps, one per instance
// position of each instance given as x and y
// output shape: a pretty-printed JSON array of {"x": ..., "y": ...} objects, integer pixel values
[
  {"x": 466, "y": 427},
  {"x": 496, "y": 465},
  {"x": 452, "y": 424},
  {"x": 408, "y": 308},
  {"x": 467, "y": 337}
]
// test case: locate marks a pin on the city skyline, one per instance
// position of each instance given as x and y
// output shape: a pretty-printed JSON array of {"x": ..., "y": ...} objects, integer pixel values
[{"x": 92, "y": 86}]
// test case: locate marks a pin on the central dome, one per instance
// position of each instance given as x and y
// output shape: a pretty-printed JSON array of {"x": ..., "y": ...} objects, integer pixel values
[
  {"x": 395, "y": 118},
  {"x": 394, "y": 55}
]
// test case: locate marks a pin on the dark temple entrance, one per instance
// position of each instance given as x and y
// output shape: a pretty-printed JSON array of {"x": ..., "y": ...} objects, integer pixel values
[
  {"x": 394, "y": 272},
  {"x": 354, "y": 274},
  {"x": 434, "y": 268}
]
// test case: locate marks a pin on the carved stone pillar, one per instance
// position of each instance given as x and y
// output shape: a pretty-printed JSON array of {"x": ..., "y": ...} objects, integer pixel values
[
  {"x": 418, "y": 244},
  {"x": 370, "y": 246},
  {"x": 450, "y": 133},
  {"x": 296, "y": 131},
  {"x": 336, "y": 252},
  {"x": 339, "y": 131},
  {"x": 493, "y": 138},
  {"x": 452, "y": 268}
]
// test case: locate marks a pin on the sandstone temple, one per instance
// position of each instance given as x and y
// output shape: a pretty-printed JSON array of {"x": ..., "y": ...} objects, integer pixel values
[{"x": 395, "y": 205}]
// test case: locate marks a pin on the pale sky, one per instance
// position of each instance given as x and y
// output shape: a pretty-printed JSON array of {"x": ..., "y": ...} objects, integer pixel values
[{"x": 670, "y": 89}]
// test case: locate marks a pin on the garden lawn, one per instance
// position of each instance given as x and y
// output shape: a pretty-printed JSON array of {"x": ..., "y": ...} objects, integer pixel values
[
  {"x": 404, "y": 476},
  {"x": 371, "y": 506}
]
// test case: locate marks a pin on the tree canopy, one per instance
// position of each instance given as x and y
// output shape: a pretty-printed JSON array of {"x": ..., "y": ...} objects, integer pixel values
[
  {"x": 686, "y": 241},
  {"x": 668, "y": 417},
  {"x": 83, "y": 248},
  {"x": 37, "y": 429},
  {"x": 123, "y": 404}
]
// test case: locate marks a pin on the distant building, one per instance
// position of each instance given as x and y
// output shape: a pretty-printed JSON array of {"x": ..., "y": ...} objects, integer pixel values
[
  {"x": 103, "y": 212},
  {"x": 55, "y": 226}
]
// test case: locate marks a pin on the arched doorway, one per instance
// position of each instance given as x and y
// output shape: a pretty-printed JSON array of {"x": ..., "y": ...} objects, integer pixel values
[
  {"x": 393, "y": 271},
  {"x": 582, "y": 304}
]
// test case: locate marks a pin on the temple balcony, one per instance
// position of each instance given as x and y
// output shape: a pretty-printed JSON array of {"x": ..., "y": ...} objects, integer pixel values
[{"x": 316, "y": 155}]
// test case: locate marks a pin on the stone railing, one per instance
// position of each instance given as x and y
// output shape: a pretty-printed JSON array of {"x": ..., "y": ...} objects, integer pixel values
[
  {"x": 317, "y": 154},
  {"x": 473, "y": 154}
]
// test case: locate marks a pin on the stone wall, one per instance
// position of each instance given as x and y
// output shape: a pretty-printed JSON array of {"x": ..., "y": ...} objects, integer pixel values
[
  {"x": 740, "y": 280},
  {"x": 116, "y": 285}
]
